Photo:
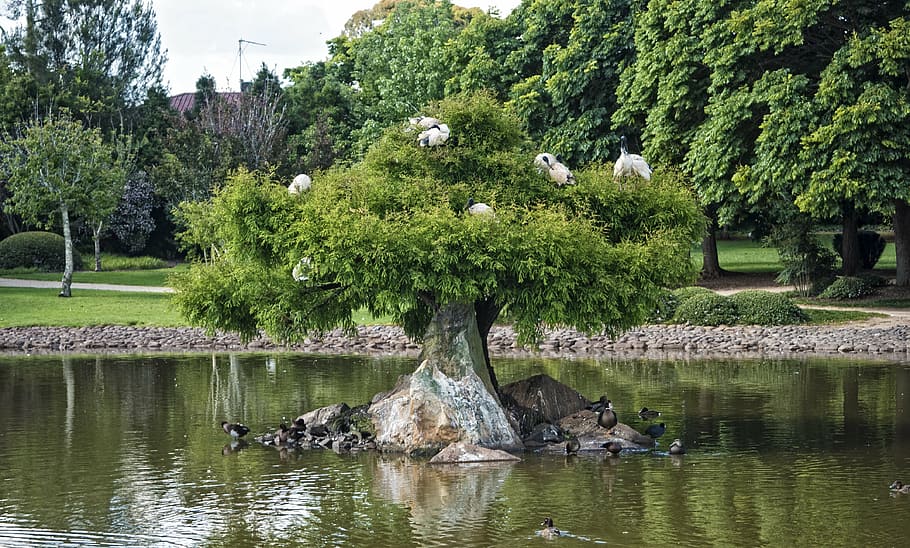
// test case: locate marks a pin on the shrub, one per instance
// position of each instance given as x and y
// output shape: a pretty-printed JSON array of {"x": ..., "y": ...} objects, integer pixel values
[
  {"x": 848, "y": 287},
  {"x": 683, "y": 294},
  {"x": 766, "y": 308},
  {"x": 706, "y": 308},
  {"x": 871, "y": 247},
  {"x": 666, "y": 307},
  {"x": 41, "y": 250}
]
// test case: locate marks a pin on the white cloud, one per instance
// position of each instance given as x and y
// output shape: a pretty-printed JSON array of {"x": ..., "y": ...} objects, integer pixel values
[{"x": 202, "y": 35}]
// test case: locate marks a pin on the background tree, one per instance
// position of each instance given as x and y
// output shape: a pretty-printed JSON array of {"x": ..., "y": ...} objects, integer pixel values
[
  {"x": 95, "y": 57},
  {"x": 60, "y": 165},
  {"x": 391, "y": 234}
]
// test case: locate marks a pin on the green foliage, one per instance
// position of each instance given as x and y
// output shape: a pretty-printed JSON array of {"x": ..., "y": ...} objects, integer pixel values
[
  {"x": 706, "y": 309},
  {"x": 848, "y": 287},
  {"x": 807, "y": 265},
  {"x": 683, "y": 294},
  {"x": 123, "y": 262},
  {"x": 41, "y": 250},
  {"x": 871, "y": 247},
  {"x": 391, "y": 235},
  {"x": 766, "y": 308}
]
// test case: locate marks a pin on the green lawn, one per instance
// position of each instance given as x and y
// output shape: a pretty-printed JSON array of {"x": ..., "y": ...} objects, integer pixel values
[
  {"x": 42, "y": 307},
  {"x": 751, "y": 257},
  {"x": 155, "y": 277}
]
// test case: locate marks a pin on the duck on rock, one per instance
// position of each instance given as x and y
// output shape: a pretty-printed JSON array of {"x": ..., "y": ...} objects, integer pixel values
[
  {"x": 677, "y": 448},
  {"x": 607, "y": 417}
]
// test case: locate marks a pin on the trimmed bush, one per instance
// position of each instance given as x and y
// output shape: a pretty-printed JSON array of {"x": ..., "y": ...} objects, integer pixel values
[
  {"x": 706, "y": 308},
  {"x": 766, "y": 308},
  {"x": 670, "y": 300},
  {"x": 41, "y": 250},
  {"x": 848, "y": 287}
]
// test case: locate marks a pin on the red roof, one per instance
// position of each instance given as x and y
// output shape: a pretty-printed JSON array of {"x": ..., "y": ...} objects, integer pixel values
[{"x": 185, "y": 102}]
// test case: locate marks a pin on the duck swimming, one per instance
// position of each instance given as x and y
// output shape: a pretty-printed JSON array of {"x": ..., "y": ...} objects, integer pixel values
[
  {"x": 677, "y": 448},
  {"x": 899, "y": 487},
  {"x": 235, "y": 430},
  {"x": 613, "y": 447},
  {"x": 549, "y": 531},
  {"x": 648, "y": 414},
  {"x": 656, "y": 430}
]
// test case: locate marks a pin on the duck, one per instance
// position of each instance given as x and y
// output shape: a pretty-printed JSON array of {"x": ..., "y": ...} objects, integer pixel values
[
  {"x": 572, "y": 446},
  {"x": 613, "y": 447},
  {"x": 434, "y": 136},
  {"x": 298, "y": 429},
  {"x": 300, "y": 184},
  {"x": 281, "y": 435},
  {"x": 548, "y": 531},
  {"x": 607, "y": 417},
  {"x": 235, "y": 430},
  {"x": 656, "y": 430},
  {"x": 478, "y": 208},
  {"x": 899, "y": 487},
  {"x": 677, "y": 447},
  {"x": 554, "y": 168},
  {"x": 630, "y": 165},
  {"x": 648, "y": 414}
]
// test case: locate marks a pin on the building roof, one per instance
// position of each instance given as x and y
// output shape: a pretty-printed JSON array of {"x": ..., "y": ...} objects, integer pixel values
[{"x": 184, "y": 102}]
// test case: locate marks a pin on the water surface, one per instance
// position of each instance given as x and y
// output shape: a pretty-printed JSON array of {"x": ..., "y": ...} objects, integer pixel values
[{"x": 127, "y": 451}]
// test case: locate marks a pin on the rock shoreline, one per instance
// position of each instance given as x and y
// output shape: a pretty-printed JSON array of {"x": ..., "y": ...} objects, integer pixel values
[{"x": 659, "y": 341}]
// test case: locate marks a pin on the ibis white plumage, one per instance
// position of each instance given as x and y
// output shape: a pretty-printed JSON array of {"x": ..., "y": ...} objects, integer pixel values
[
  {"x": 554, "y": 168},
  {"x": 301, "y": 183},
  {"x": 630, "y": 165}
]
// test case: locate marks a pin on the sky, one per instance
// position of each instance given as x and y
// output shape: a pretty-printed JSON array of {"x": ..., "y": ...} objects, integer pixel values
[{"x": 202, "y": 36}]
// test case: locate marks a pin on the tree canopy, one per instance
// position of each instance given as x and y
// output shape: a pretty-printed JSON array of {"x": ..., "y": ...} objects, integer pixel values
[{"x": 391, "y": 234}]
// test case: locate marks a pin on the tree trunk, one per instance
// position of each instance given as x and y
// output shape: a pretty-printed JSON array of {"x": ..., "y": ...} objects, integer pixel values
[
  {"x": 449, "y": 397},
  {"x": 902, "y": 242},
  {"x": 68, "y": 253},
  {"x": 710, "y": 268},
  {"x": 96, "y": 236},
  {"x": 487, "y": 311},
  {"x": 849, "y": 251}
]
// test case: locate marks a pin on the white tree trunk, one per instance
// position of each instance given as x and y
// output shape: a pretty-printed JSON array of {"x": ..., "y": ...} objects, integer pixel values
[
  {"x": 68, "y": 252},
  {"x": 96, "y": 236}
]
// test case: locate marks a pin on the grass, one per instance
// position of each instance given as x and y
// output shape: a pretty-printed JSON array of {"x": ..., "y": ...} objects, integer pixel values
[
  {"x": 23, "y": 307},
  {"x": 752, "y": 257},
  {"x": 818, "y": 316},
  {"x": 156, "y": 277}
]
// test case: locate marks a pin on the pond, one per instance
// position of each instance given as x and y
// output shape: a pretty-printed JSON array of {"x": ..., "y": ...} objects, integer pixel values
[{"x": 127, "y": 450}]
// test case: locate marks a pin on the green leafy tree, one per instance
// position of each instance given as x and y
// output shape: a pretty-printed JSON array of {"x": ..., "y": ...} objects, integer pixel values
[
  {"x": 391, "y": 234},
  {"x": 400, "y": 64},
  {"x": 569, "y": 102},
  {"x": 95, "y": 57},
  {"x": 60, "y": 165}
]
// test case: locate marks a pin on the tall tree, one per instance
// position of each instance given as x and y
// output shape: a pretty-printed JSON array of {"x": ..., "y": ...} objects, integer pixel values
[
  {"x": 60, "y": 165},
  {"x": 95, "y": 57},
  {"x": 391, "y": 234}
]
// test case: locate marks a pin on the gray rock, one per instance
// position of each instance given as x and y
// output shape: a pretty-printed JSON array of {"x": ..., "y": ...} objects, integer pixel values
[{"x": 461, "y": 452}]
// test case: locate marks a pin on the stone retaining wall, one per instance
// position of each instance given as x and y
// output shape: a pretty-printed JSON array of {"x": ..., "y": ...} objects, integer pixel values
[{"x": 658, "y": 341}]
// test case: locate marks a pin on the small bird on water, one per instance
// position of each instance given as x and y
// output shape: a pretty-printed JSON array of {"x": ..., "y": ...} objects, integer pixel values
[
  {"x": 656, "y": 430},
  {"x": 548, "y": 531},
  {"x": 677, "y": 448},
  {"x": 235, "y": 430}
]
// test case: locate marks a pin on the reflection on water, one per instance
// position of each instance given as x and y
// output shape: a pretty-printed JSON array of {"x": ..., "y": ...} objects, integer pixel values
[{"x": 128, "y": 451}]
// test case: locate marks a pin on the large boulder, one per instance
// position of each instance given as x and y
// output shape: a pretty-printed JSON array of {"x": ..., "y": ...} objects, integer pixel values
[
  {"x": 449, "y": 398},
  {"x": 540, "y": 399}
]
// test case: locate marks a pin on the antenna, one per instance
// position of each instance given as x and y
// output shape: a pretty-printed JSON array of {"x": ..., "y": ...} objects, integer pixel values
[{"x": 240, "y": 44}]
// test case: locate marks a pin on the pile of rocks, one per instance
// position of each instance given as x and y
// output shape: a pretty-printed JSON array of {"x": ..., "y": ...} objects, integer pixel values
[{"x": 654, "y": 340}]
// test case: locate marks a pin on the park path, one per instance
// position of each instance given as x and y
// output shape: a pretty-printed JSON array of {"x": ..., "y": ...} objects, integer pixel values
[{"x": 45, "y": 284}]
